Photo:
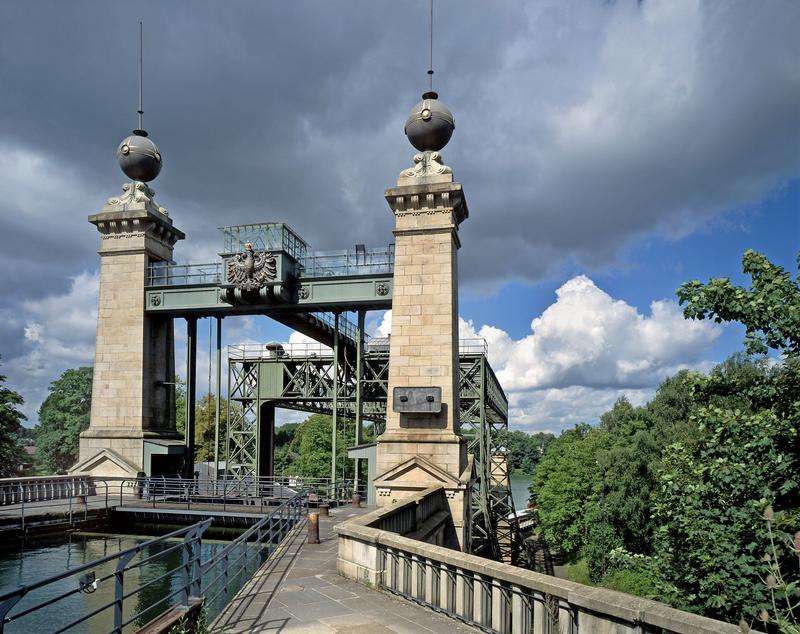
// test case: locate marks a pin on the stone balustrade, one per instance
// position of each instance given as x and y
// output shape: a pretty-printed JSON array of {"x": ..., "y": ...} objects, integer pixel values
[{"x": 394, "y": 549}]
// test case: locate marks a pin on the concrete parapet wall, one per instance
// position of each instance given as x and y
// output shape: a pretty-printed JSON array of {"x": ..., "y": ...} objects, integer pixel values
[{"x": 494, "y": 595}]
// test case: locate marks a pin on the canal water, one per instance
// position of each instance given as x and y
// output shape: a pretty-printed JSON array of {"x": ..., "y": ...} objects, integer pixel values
[
  {"x": 38, "y": 560},
  {"x": 519, "y": 490}
]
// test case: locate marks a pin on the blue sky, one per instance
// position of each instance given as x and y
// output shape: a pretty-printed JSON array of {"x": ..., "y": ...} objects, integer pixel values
[{"x": 609, "y": 151}]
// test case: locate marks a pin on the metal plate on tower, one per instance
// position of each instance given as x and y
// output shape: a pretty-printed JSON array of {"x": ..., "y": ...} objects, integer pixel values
[{"x": 417, "y": 400}]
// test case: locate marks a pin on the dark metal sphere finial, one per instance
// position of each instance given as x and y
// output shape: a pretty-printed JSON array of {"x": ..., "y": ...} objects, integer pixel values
[
  {"x": 430, "y": 124},
  {"x": 138, "y": 157}
]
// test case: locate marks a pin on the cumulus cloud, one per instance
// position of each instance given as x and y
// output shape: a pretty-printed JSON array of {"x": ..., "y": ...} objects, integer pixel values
[
  {"x": 586, "y": 338},
  {"x": 585, "y": 351}
]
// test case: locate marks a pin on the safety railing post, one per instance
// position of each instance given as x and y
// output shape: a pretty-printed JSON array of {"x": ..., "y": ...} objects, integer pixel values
[
  {"x": 69, "y": 492},
  {"x": 186, "y": 568},
  {"x": 197, "y": 571},
  {"x": 119, "y": 590},
  {"x": 269, "y": 547},
  {"x": 22, "y": 504},
  {"x": 6, "y": 606}
]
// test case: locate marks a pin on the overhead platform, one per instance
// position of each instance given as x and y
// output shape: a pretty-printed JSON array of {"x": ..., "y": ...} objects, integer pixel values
[{"x": 267, "y": 269}]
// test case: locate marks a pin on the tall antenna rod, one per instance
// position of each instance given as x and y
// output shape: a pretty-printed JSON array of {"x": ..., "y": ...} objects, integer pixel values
[
  {"x": 430, "y": 51},
  {"x": 140, "y": 111}
]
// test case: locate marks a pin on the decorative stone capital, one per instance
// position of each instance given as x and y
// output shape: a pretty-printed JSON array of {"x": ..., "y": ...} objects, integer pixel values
[
  {"x": 428, "y": 168},
  {"x": 135, "y": 195},
  {"x": 133, "y": 223},
  {"x": 426, "y": 198}
]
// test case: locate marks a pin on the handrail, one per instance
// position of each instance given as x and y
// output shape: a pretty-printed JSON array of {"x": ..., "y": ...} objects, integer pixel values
[
  {"x": 196, "y": 575},
  {"x": 491, "y": 595}
]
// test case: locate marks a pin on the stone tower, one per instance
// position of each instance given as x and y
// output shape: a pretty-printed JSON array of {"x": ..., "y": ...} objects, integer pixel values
[
  {"x": 422, "y": 446},
  {"x": 133, "y": 403}
]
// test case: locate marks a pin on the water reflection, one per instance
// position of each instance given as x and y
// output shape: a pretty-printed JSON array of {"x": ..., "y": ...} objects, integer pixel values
[{"x": 31, "y": 563}]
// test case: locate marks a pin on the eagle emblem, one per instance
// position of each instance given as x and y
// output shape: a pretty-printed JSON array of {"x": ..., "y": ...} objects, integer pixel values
[{"x": 250, "y": 270}]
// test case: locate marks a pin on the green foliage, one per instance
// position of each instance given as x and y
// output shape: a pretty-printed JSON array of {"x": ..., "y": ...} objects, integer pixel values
[
  {"x": 10, "y": 428},
  {"x": 566, "y": 488},
  {"x": 578, "y": 572},
  {"x": 672, "y": 492},
  {"x": 525, "y": 450},
  {"x": 769, "y": 310},
  {"x": 310, "y": 449},
  {"x": 205, "y": 427},
  {"x": 784, "y": 593},
  {"x": 711, "y": 538},
  {"x": 62, "y": 417},
  {"x": 180, "y": 405}
]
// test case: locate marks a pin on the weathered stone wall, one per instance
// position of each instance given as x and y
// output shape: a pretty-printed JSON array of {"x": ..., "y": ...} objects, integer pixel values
[
  {"x": 424, "y": 347},
  {"x": 134, "y": 353}
]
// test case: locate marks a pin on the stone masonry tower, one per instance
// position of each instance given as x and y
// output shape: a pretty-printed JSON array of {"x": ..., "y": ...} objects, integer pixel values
[
  {"x": 422, "y": 446},
  {"x": 133, "y": 411}
]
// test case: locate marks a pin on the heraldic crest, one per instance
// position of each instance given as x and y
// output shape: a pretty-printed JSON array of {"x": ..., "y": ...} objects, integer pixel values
[{"x": 250, "y": 270}]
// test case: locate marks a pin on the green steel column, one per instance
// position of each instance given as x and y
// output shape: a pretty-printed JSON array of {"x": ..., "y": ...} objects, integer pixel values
[
  {"x": 228, "y": 427},
  {"x": 335, "y": 394},
  {"x": 359, "y": 388},
  {"x": 219, "y": 396},
  {"x": 191, "y": 379}
]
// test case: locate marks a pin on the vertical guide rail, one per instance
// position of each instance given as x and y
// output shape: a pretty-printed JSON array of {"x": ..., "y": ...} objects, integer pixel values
[
  {"x": 218, "y": 404},
  {"x": 359, "y": 391},
  {"x": 191, "y": 389},
  {"x": 335, "y": 396}
]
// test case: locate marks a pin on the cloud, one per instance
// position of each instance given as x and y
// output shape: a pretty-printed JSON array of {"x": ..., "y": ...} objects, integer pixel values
[
  {"x": 585, "y": 351},
  {"x": 580, "y": 126},
  {"x": 588, "y": 339},
  {"x": 54, "y": 333}
]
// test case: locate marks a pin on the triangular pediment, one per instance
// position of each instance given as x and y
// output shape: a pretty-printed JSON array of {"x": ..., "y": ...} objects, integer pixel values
[
  {"x": 417, "y": 472},
  {"x": 106, "y": 463}
]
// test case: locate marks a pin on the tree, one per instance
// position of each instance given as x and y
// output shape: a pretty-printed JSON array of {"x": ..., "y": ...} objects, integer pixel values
[
  {"x": 770, "y": 310},
  {"x": 711, "y": 537},
  {"x": 205, "y": 427},
  {"x": 180, "y": 405},
  {"x": 62, "y": 417},
  {"x": 312, "y": 446},
  {"x": 10, "y": 425},
  {"x": 566, "y": 488},
  {"x": 525, "y": 450}
]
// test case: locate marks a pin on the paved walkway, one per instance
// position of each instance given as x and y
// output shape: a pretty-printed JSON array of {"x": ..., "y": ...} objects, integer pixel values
[{"x": 301, "y": 592}]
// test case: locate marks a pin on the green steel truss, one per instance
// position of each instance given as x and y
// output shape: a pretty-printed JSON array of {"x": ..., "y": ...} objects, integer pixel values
[{"x": 299, "y": 379}]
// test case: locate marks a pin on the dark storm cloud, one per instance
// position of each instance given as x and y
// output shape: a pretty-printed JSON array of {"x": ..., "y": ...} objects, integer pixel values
[{"x": 581, "y": 126}]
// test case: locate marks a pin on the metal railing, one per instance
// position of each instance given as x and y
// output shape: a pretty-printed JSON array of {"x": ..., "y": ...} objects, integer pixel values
[
  {"x": 375, "y": 261},
  {"x": 76, "y": 501},
  {"x": 373, "y": 345},
  {"x": 346, "y": 327},
  {"x": 216, "y": 579},
  {"x": 164, "y": 274},
  {"x": 265, "y": 236}
]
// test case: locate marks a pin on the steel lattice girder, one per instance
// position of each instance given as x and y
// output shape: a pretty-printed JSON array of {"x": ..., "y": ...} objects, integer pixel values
[{"x": 307, "y": 385}]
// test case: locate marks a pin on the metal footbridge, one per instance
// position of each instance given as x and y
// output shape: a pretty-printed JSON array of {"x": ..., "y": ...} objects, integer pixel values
[{"x": 344, "y": 375}]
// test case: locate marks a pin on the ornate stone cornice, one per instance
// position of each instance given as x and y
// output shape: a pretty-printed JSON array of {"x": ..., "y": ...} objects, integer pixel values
[
  {"x": 132, "y": 222},
  {"x": 428, "y": 198}
]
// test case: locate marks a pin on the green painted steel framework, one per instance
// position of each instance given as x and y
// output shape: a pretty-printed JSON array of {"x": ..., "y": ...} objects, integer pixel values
[
  {"x": 311, "y": 294},
  {"x": 304, "y": 379}
]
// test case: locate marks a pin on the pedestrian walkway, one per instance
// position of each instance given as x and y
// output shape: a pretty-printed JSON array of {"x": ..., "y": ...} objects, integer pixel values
[{"x": 300, "y": 591}]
